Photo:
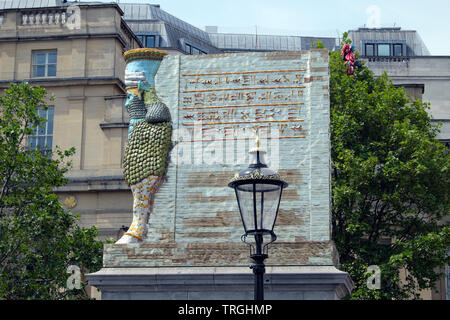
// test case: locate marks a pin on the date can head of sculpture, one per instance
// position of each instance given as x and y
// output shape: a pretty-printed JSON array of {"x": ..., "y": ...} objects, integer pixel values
[{"x": 141, "y": 67}]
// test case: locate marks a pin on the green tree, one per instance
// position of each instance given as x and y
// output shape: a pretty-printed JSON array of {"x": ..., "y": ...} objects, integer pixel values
[
  {"x": 39, "y": 239},
  {"x": 390, "y": 183}
]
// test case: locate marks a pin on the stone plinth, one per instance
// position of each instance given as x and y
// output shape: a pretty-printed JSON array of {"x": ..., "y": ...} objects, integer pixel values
[
  {"x": 221, "y": 283},
  {"x": 173, "y": 254}
]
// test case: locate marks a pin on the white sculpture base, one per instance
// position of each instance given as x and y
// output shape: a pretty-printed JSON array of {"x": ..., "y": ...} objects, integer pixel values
[{"x": 127, "y": 239}]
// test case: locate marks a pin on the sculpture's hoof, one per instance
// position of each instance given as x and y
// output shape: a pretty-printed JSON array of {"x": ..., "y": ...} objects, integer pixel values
[{"x": 127, "y": 239}]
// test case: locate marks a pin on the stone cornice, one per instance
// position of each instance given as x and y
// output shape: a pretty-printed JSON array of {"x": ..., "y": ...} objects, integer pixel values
[
  {"x": 78, "y": 4},
  {"x": 74, "y": 81}
]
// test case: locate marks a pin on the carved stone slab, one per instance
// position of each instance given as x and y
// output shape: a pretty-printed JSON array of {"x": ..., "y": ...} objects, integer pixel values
[{"x": 217, "y": 102}]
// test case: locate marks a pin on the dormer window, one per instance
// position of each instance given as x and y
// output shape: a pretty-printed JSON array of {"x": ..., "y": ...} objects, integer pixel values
[
  {"x": 383, "y": 50},
  {"x": 370, "y": 50}
]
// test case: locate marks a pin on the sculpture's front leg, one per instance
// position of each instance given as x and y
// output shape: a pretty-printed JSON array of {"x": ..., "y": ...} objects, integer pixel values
[{"x": 143, "y": 195}]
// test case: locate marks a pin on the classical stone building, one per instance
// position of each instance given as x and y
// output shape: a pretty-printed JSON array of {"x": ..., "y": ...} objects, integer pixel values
[
  {"x": 408, "y": 62},
  {"x": 75, "y": 53}
]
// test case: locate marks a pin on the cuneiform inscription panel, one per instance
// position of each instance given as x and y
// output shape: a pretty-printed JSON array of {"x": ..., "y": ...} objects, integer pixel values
[
  {"x": 283, "y": 95},
  {"x": 230, "y": 104}
]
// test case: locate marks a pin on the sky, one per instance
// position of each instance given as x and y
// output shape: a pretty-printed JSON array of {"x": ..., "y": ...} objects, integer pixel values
[{"x": 331, "y": 18}]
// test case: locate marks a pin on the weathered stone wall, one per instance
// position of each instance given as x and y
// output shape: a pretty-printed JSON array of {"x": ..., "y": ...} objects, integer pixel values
[{"x": 195, "y": 219}]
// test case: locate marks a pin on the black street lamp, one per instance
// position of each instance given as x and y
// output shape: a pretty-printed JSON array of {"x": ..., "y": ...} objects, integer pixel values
[{"x": 258, "y": 192}]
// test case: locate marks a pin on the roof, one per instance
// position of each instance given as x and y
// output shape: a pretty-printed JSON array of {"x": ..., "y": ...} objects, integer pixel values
[
  {"x": 148, "y": 18},
  {"x": 245, "y": 42},
  {"x": 140, "y": 12}
]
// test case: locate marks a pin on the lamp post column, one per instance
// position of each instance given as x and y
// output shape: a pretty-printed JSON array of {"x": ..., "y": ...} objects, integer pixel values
[
  {"x": 258, "y": 192},
  {"x": 259, "y": 268}
]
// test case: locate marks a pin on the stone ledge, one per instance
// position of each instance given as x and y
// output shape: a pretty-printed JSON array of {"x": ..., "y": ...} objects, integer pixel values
[{"x": 226, "y": 283}]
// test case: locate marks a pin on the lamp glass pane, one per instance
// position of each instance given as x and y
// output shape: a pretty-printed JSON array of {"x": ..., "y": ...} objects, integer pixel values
[
  {"x": 150, "y": 43},
  {"x": 267, "y": 199},
  {"x": 271, "y": 200},
  {"x": 398, "y": 50},
  {"x": 52, "y": 57},
  {"x": 245, "y": 198}
]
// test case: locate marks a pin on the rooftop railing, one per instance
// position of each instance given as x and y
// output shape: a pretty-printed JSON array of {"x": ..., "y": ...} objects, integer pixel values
[{"x": 389, "y": 59}]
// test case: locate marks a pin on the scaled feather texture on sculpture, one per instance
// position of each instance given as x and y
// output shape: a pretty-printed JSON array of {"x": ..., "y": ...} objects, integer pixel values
[{"x": 149, "y": 144}]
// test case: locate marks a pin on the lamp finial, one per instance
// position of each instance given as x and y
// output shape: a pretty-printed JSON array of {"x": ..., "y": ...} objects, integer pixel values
[{"x": 257, "y": 146}]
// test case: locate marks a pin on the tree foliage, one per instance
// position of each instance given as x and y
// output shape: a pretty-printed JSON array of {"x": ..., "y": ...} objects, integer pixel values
[
  {"x": 390, "y": 183},
  {"x": 39, "y": 239}
]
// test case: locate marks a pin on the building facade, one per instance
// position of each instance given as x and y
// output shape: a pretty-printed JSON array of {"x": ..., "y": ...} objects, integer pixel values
[
  {"x": 80, "y": 62},
  {"x": 405, "y": 58},
  {"x": 158, "y": 29}
]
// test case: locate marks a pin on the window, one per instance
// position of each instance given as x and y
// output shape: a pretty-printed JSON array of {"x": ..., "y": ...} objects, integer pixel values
[
  {"x": 386, "y": 49},
  {"x": 188, "y": 48},
  {"x": 370, "y": 50},
  {"x": 447, "y": 271},
  {"x": 398, "y": 50},
  {"x": 141, "y": 38},
  {"x": 150, "y": 41},
  {"x": 44, "y": 63},
  {"x": 383, "y": 50},
  {"x": 42, "y": 138},
  {"x": 193, "y": 50},
  {"x": 448, "y": 282}
]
